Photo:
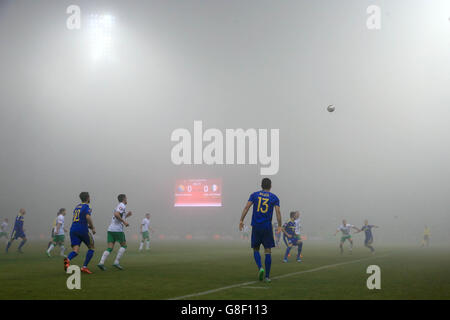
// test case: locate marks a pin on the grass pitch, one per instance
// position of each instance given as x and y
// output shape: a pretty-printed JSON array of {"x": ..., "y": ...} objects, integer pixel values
[{"x": 226, "y": 270}]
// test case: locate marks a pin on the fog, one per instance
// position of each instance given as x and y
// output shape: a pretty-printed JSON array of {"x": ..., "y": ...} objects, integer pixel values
[{"x": 72, "y": 123}]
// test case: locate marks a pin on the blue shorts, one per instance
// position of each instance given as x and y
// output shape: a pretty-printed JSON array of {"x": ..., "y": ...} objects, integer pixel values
[
  {"x": 17, "y": 234},
  {"x": 77, "y": 237},
  {"x": 294, "y": 241},
  {"x": 262, "y": 236}
]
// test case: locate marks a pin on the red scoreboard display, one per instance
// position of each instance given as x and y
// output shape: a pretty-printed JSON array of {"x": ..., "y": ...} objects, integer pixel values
[{"x": 198, "y": 193}]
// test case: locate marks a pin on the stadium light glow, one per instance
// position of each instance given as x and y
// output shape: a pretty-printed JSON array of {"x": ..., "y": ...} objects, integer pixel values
[{"x": 100, "y": 31}]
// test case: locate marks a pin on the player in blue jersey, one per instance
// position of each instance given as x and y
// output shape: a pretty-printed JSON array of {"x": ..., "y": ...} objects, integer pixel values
[
  {"x": 263, "y": 203},
  {"x": 79, "y": 232},
  {"x": 367, "y": 228},
  {"x": 292, "y": 239},
  {"x": 18, "y": 231}
]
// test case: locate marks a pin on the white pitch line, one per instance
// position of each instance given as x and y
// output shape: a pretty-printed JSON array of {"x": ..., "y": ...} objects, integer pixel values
[{"x": 274, "y": 278}]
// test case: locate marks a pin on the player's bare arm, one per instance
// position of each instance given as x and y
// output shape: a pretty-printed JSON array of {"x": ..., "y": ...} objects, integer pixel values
[
  {"x": 244, "y": 213},
  {"x": 90, "y": 223},
  {"x": 118, "y": 217},
  {"x": 278, "y": 213}
]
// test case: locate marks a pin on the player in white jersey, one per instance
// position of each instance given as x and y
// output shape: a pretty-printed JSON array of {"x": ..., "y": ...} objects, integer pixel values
[
  {"x": 345, "y": 228},
  {"x": 58, "y": 234},
  {"x": 116, "y": 234},
  {"x": 4, "y": 229},
  {"x": 145, "y": 236}
]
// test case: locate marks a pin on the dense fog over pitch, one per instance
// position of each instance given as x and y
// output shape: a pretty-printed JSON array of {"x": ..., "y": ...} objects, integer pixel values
[{"x": 71, "y": 121}]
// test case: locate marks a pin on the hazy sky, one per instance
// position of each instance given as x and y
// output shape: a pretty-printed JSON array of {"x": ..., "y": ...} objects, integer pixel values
[{"x": 71, "y": 123}]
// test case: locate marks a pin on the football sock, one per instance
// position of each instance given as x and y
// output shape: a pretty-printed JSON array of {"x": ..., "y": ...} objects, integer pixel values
[
  {"x": 141, "y": 246},
  {"x": 300, "y": 246},
  {"x": 268, "y": 263},
  {"x": 50, "y": 248},
  {"x": 288, "y": 249},
  {"x": 89, "y": 256},
  {"x": 62, "y": 250},
  {"x": 257, "y": 257},
  {"x": 119, "y": 255},
  {"x": 105, "y": 256},
  {"x": 72, "y": 255},
  {"x": 148, "y": 244}
]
